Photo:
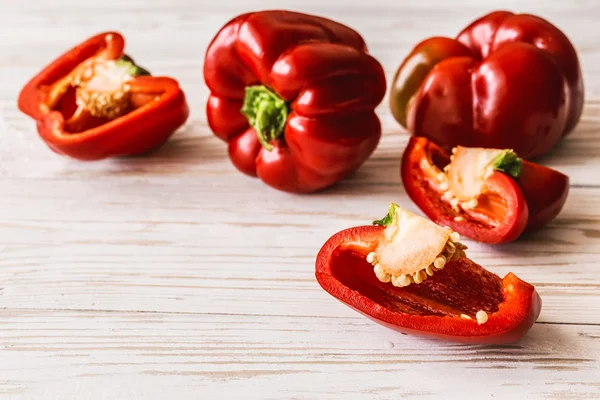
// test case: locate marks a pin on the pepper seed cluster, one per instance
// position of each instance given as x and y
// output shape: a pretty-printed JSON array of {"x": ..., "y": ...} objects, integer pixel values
[
  {"x": 100, "y": 104},
  {"x": 452, "y": 251},
  {"x": 448, "y": 195}
]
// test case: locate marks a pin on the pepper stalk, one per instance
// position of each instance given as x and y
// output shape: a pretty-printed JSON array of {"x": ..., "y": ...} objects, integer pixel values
[{"x": 267, "y": 113}]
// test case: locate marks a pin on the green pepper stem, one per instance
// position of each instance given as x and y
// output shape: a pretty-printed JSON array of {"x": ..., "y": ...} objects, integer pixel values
[
  {"x": 389, "y": 218},
  {"x": 509, "y": 163},
  {"x": 132, "y": 68},
  {"x": 266, "y": 112}
]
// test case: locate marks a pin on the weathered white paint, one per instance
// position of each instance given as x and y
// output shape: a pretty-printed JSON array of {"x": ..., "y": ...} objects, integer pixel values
[{"x": 174, "y": 276}]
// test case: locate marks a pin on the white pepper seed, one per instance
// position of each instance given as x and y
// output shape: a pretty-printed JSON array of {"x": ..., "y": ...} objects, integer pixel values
[
  {"x": 473, "y": 203},
  {"x": 371, "y": 257},
  {"x": 450, "y": 248},
  {"x": 439, "y": 262},
  {"x": 481, "y": 316},
  {"x": 383, "y": 276},
  {"x": 401, "y": 281},
  {"x": 404, "y": 280},
  {"x": 417, "y": 277},
  {"x": 455, "y": 237}
]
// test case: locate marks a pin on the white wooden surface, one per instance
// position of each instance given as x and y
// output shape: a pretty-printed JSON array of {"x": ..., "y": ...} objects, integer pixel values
[{"x": 174, "y": 276}]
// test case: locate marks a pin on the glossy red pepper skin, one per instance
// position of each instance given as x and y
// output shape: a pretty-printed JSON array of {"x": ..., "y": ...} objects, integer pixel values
[
  {"x": 545, "y": 190},
  {"x": 161, "y": 108},
  {"x": 342, "y": 271},
  {"x": 322, "y": 70},
  {"x": 507, "y": 81},
  {"x": 529, "y": 202}
]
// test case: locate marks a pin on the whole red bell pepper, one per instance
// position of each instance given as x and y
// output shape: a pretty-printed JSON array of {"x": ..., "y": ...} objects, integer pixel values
[
  {"x": 413, "y": 276},
  {"x": 293, "y": 95},
  {"x": 94, "y": 102},
  {"x": 507, "y": 81},
  {"x": 489, "y": 195}
]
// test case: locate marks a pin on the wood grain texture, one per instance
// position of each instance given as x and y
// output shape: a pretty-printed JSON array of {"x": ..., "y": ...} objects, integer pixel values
[
  {"x": 123, "y": 355},
  {"x": 174, "y": 276}
]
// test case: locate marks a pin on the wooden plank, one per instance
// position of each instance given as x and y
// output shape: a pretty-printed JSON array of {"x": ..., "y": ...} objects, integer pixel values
[
  {"x": 166, "y": 245},
  {"x": 125, "y": 355},
  {"x": 174, "y": 276}
]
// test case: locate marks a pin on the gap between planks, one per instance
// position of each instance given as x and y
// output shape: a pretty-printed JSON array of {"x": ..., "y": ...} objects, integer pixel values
[{"x": 117, "y": 312}]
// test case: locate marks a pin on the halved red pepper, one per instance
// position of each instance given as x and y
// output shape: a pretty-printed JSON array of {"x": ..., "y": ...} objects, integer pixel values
[
  {"x": 506, "y": 81},
  {"x": 94, "y": 102},
  {"x": 395, "y": 274},
  {"x": 293, "y": 95},
  {"x": 489, "y": 195}
]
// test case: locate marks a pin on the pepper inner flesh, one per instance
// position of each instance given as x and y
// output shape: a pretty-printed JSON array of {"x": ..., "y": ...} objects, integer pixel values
[
  {"x": 462, "y": 288},
  {"x": 461, "y": 184},
  {"x": 412, "y": 248},
  {"x": 94, "y": 93}
]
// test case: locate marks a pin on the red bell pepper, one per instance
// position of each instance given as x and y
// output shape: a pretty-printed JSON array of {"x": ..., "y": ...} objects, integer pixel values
[
  {"x": 489, "y": 195},
  {"x": 94, "y": 102},
  {"x": 411, "y": 275},
  {"x": 293, "y": 95},
  {"x": 507, "y": 81}
]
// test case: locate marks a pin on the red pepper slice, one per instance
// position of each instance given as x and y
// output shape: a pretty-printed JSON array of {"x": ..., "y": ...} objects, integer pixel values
[
  {"x": 94, "y": 102},
  {"x": 463, "y": 302},
  {"x": 293, "y": 95},
  {"x": 508, "y": 204},
  {"x": 507, "y": 81}
]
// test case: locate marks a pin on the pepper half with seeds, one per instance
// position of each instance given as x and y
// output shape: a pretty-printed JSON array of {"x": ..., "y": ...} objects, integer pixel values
[
  {"x": 488, "y": 195},
  {"x": 459, "y": 301},
  {"x": 95, "y": 102}
]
